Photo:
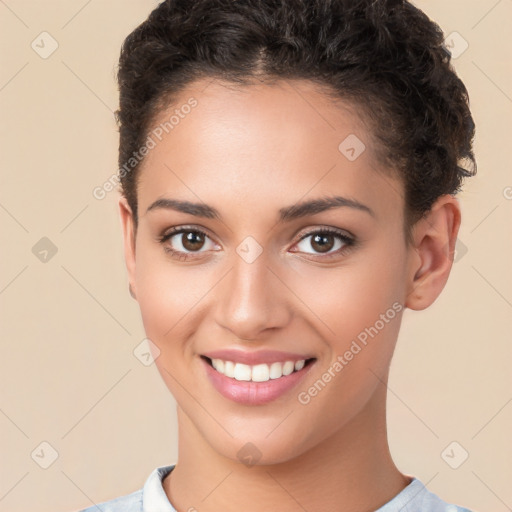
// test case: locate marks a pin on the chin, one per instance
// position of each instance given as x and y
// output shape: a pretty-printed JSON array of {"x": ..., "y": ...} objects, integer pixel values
[{"x": 257, "y": 448}]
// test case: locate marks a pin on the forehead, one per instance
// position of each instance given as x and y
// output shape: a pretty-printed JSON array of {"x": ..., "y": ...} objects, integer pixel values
[{"x": 277, "y": 144}]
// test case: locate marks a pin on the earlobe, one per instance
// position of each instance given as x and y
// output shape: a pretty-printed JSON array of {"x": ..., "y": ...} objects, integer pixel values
[
  {"x": 127, "y": 226},
  {"x": 431, "y": 258}
]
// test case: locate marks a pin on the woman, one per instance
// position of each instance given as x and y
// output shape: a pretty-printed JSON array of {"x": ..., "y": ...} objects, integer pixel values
[{"x": 288, "y": 173}]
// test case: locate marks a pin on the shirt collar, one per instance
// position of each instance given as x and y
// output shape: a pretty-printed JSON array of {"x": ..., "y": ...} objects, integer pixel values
[{"x": 154, "y": 498}]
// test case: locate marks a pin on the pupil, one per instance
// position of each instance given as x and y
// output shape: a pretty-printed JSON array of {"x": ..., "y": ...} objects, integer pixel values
[
  {"x": 324, "y": 245},
  {"x": 192, "y": 241}
]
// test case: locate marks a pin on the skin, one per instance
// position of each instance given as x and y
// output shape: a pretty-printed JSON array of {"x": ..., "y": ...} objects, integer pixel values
[{"x": 249, "y": 152}]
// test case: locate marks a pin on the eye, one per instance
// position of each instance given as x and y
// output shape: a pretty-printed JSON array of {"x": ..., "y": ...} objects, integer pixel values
[
  {"x": 185, "y": 241},
  {"x": 328, "y": 241}
]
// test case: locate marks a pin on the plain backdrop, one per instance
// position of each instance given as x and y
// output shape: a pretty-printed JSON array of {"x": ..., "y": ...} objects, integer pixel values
[{"x": 82, "y": 419}]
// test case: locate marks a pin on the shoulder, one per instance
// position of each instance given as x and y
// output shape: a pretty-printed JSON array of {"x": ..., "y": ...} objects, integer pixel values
[
  {"x": 128, "y": 503},
  {"x": 417, "y": 498}
]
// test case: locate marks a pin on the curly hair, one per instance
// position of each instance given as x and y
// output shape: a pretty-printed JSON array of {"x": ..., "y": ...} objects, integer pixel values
[{"x": 386, "y": 57}]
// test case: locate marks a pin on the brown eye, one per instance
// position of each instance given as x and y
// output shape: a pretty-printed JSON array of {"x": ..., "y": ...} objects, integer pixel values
[
  {"x": 323, "y": 241},
  {"x": 192, "y": 240},
  {"x": 184, "y": 242}
]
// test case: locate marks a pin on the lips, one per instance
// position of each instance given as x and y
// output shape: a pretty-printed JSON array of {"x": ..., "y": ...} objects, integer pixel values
[
  {"x": 256, "y": 357},
  {"x": 251, "y": 391}
]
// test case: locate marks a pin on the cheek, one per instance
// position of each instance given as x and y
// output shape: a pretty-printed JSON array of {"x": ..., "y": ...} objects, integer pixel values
[
  {"x": 363, "y": 320},
  {"x": 357, "y": 311},
  {"x": 342, "y": 302},
  {"x": 169, "y": 298},
  {"x": 166, "y": 294}
]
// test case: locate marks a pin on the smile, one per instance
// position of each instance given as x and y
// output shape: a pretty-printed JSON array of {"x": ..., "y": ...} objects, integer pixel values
[
  {"x": 258, "y": 372},
  {"x": 255, "y": 384}
]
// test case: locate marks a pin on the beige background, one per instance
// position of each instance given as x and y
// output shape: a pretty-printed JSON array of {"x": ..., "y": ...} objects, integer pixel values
[{"x": 68, "y": 373}]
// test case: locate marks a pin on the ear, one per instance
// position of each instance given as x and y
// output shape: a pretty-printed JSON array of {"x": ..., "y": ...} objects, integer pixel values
[
  {"x": 129, "y": 234},
  {"x": 431, "y": 257}
]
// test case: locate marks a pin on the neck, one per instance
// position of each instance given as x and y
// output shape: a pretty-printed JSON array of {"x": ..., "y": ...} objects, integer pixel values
[{"x": 352, "y": 470}]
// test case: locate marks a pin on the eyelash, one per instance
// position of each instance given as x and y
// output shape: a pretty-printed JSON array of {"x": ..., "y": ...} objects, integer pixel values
[{"x": 349, "y": 242}]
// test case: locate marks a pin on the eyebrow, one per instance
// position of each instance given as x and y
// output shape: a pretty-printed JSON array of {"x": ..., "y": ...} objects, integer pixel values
[{"x": 286, "y": 214}]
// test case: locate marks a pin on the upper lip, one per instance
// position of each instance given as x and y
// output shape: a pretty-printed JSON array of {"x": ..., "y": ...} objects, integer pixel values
[{"x": 255, "y": 357}]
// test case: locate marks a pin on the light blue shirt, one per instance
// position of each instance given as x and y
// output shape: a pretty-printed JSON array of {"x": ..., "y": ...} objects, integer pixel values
[{"x": 152, "y": 498}]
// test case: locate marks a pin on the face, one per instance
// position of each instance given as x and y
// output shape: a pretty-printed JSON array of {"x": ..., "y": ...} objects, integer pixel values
[{"x": 255, "y": 282}]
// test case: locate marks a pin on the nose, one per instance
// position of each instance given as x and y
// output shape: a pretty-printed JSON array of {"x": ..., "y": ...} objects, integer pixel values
[{"x": 252, "y": 299}]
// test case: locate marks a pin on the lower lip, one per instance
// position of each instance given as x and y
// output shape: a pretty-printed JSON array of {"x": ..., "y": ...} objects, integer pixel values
[{"x": 253, "y": 393}]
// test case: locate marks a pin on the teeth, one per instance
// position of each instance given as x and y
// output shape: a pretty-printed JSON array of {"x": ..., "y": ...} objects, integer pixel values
[
  {"x": 242, "y": 372},
  {"x": 288, "y": 367},
  {"x": 276, "y": 370},
  {"x": 260, "y": 373},
  {"x": 218, "y": 364},
  {"x": 257, "y": 373},
  {"x": 229, "y": 368}
]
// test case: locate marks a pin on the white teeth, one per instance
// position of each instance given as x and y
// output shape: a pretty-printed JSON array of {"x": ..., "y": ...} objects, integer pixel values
[
  {"x": 288, "y": 367},
  {"x": 242, "y": 371},
  {"x": 229, "y": 369},
  {"x": 258, "y": 372},
  {"x": 299, "y": 365},
  {"x": 218, "y": 364},
  {"x": 276, "y": 370}
]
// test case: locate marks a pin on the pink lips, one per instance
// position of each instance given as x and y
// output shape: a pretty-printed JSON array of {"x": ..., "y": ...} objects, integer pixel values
[
  {"x": 253, "y": 358},
  {"x": 248, "y": 392}
]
